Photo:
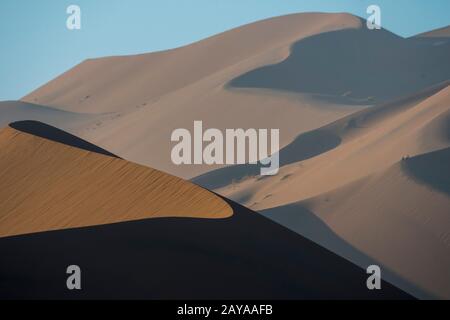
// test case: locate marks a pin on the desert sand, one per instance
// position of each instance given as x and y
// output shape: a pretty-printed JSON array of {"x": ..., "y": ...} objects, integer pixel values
[
  {"x": 150, "y": 95},
  {"x": 47, "y": 185},
  {"x": 139, "y": 233},
  {"x": 350, "y": 105},
  {"x": 381, "y": 210}
]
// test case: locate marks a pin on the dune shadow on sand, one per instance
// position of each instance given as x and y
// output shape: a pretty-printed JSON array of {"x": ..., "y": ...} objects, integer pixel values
[
  {"x": 246, "y": 256},
  {"x": 300, "y": 219},
  {"x": 48, "y": 132},
  {"x": 305, "y": 146},
  {"x": 363, "y": 66},
  {"x": 315, "y": 142},
  {"x": 431, "y": 169}
]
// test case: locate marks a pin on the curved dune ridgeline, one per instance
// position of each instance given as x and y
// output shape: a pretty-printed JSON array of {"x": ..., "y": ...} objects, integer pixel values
[
  {"x": 363, "y": 66},
  {"x": 46, "y": 185},
  {"x": 246, "y": 256}
]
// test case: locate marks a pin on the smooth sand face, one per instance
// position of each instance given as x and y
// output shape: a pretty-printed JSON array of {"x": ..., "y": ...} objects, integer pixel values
[{"x": 45, "y": 185}]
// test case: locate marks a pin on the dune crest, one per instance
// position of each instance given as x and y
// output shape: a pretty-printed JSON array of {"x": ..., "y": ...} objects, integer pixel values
[{"x": 46, "y": 185}]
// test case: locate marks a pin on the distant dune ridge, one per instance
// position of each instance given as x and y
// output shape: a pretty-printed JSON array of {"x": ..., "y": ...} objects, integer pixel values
[{"x": 364, "y": 119}]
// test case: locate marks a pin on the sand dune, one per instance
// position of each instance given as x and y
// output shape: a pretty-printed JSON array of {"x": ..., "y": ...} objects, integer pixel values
[
  {"x": 245, "y": 256},
  {"x": 389, "y": 216},
  {"x": 47, "y": 185},
  {"x": 153, "y": 94},
  {"x": 396, "y": 219},
  {"x": 343, "y": 151},
  {"x": 11, "y": 111},
  {"x": 361, "y": 65},
  {"x": 52, "y": 180},
  {"x": 118, "y": 83},
  {"x": 350, "y": 103},
  {"x": 336, "y": 64}
]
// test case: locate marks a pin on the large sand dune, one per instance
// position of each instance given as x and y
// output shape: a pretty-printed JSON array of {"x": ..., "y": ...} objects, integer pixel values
[
  {"x": 303, "y": 71},
  {"x": 396, "y": 217},
  {"x": 48, "y": 185},
  {"x": 246, "y": 256},
  {"x": 343, "y": 151},
  {"x": 52, "y": 180},
  {"x": 150, "y": 95},
  {"x": 391, "y": 218}
]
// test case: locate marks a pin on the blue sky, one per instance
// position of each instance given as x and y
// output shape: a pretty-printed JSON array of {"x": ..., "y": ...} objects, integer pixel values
[{"x": 36, "y": 46}]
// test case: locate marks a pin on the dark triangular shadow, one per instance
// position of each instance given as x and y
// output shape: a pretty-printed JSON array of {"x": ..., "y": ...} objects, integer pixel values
[{"x": 48, "y": 132}]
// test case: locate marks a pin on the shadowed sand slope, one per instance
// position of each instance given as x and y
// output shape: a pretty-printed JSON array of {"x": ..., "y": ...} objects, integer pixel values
[
  {"x": 341, "y": 133},
  {"x": 11, "y": 111},
  {"x": 47, "y": 185},
  {"x": 114, "y": 83},
  {"x": 245, "y": 256},
  {"x": 398, "y": 217},
  {"x": 431, "y": 168},
  {"x": 368, "y": 66}
]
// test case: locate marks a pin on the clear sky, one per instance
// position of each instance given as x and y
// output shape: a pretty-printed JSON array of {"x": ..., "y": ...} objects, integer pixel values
[{"x": 36, "y": 46}]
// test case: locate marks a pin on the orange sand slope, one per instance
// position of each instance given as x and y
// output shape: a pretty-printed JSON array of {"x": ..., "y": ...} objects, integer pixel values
[{"x": 46, "y": 185}]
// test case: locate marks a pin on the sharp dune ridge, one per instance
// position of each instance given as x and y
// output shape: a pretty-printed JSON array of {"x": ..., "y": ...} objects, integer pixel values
[{"x": 46, "y": 185}]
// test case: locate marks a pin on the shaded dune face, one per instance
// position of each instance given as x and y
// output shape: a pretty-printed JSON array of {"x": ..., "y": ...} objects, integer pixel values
[
  {"x": 431, "y": 169},
  {"x": 104, "y": 84},
  {"x": 243, "y": 257},
  {"x": 321, "y": 140},
  {"x": 47, "y": 185},
  {"x": 364, "y": 66}
]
